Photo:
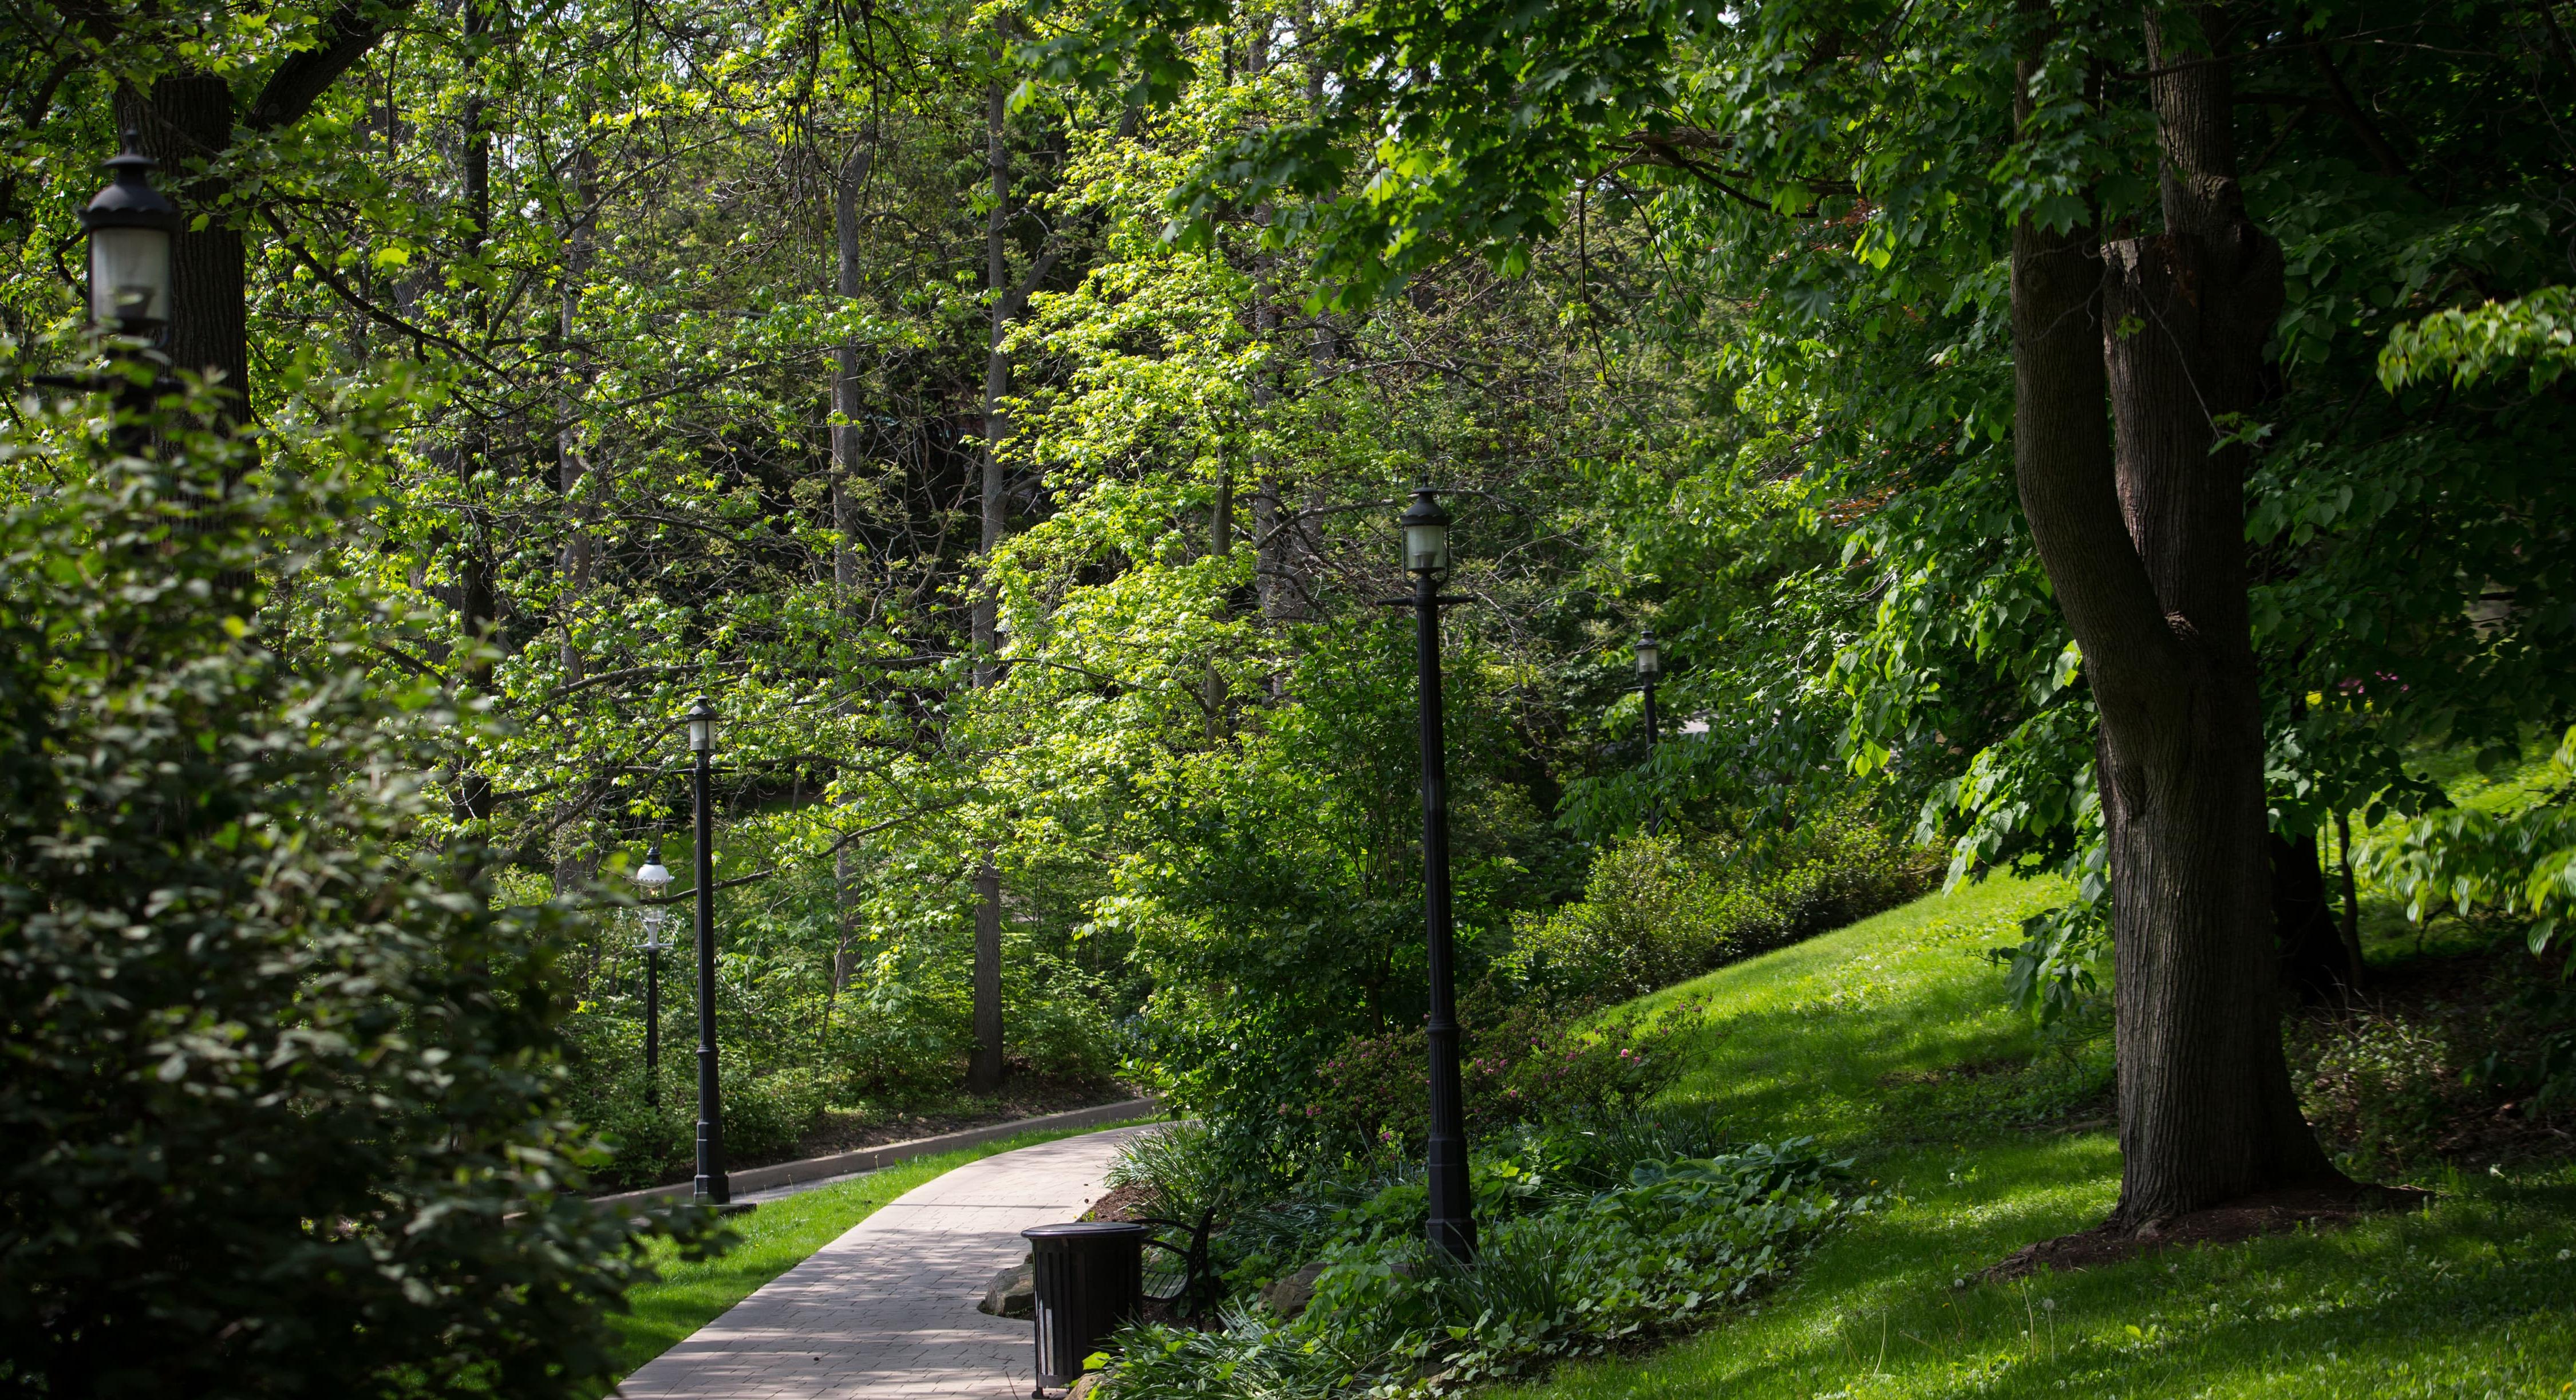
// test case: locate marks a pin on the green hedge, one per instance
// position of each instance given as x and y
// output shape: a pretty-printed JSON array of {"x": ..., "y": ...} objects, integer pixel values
[{"x": 1656, "y": 911}]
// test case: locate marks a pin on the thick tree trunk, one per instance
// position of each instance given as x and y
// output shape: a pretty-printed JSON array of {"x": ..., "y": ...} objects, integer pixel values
[
  {"x": 2144, "y": 543},
  {"x": 984, "y": 1070},
  {"x": 187, "y": 122}
]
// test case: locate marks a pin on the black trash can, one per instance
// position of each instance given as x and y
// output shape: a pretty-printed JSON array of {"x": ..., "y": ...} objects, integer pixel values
[{"x": 1090, "y": 1278}]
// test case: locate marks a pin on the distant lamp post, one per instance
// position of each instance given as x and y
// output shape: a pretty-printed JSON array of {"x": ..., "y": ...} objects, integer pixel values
[
  {"x": 1650, "y": 664},
  {"x": 1426, "y": 557},
  {"x": 711, "y": 1183},
  {"x": 130, "y": 226},
  {"x": 655, "y": 877}
]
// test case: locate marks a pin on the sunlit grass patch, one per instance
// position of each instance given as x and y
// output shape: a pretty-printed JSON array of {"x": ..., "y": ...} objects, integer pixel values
[{"x": 1889, "y": 1040}]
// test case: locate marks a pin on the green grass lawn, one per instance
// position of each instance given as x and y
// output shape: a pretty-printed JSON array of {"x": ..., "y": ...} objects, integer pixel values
[
  {"x": 1889, "y": 1040},
  {"x": 774, "y": 1239}
]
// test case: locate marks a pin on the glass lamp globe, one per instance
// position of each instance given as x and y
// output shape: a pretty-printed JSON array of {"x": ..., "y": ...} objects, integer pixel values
[
  {"x": 1426, "y": 534},
  {"x": 655, "y": 877}
]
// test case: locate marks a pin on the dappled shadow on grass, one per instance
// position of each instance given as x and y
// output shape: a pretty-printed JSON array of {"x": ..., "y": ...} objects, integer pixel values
[
  {"x": 2423, "y": 1304},
  {"x": 1857, "y": 1037},
  {"x": 1889, "y": 1041}
]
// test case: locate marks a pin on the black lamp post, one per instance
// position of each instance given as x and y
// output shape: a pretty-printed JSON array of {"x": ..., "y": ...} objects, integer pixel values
[
  {"x": 1650, "y": 664},
  {"x": 655, "y": 877},
  {"x": 1426, "y": 557},
  {"x": 130, "y": 227},
  {"x": 711, "y": 1184}
]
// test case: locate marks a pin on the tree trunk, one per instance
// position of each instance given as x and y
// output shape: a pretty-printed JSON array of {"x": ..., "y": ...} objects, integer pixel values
[
  {"x": 574, "y": 866},
  {"x": 2143, "y": 540},
  {"x": 478, "y": 603},
  {"x": 572, "y": 464},
  {"x": 984, "y": 1070},
  {"x": 2303, "y": 928},
  {"x": 188, "y": 121},
  {"x": 847, "y": 450}
]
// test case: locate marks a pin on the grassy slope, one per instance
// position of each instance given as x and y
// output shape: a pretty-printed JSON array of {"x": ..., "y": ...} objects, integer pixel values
[
  {"x": 1857, "y": 1038},
  {"x": 774, "y": 1239}
]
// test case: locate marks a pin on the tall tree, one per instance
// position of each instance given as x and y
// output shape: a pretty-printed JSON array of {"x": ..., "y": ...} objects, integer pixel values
[
  {"x": 984, "y": 1069},
  {"x": 2143, "y": 534}
]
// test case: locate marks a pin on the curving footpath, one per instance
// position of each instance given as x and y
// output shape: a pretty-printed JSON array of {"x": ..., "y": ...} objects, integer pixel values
[{"x": 888, "y": 1309}]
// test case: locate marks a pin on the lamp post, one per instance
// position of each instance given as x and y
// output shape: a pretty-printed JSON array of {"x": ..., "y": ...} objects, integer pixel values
[
  {"x": 1650, "y": 664},
  {"x": 1426, "y": 557},
  {"x": 130, "y": 226},
  {"x": 655, "y": 877},
  {"x": 711, "y": 1184}
]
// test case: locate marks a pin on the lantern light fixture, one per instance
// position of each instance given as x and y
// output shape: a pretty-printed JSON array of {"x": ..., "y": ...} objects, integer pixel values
[
  {"x": 655, "y": 877},
  {"x": 702, "y": 726},
  {"x": 130, "y": 226},
  {"x": 1426, "y": 534},
  {"x": 1650, "y": 654}
]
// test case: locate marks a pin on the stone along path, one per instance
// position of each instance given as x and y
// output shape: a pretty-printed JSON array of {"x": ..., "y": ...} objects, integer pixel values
[{"x": 888, "y": 1310}]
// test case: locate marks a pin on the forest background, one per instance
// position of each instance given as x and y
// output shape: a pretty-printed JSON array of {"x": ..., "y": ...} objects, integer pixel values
[{"x": 1002, "y": 420}]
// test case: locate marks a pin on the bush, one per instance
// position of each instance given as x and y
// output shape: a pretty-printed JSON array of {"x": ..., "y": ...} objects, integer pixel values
[
  {"x": 1572, "y": 1275},
  {"x": 1523, "y": 1064},
  {"x": 1058, "y": 1023},
  {"x": 2448, "y": 1063},
  {"x": 1654, "y": 913},
  {"x": 277, "y": 1098},
  {"x": 765, "y": 1116},
  {"x": 1182, "y": 1171}
]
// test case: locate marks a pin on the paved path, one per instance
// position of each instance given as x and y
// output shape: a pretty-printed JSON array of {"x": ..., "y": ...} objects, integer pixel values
[{"x": 887, "y": 1311}]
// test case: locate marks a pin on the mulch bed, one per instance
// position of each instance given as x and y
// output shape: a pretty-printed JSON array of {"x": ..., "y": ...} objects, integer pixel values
[
  {"x": 1119, "y": 1204},
  {"x": 2266, "y": 1213}
]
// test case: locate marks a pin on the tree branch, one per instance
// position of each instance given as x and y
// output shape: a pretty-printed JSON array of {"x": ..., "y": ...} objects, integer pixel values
[{"x": 301, "y": 80}]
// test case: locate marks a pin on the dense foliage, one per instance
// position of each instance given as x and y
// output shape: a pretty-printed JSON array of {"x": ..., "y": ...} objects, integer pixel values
[
  {"x": 280, "y": 1099},
  {"x": 1000, "y": 412},
  {"x": 1588, "y": 1244}
]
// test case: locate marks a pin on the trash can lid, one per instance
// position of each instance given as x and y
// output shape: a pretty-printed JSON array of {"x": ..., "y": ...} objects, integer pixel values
[{"x": 1075, "y": 1229}]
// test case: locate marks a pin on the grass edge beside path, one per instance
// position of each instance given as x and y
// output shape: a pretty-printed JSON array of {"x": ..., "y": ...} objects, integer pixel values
[
  {"x": 1889, "y": 1041},
  {"x": 779, "y": 1236}
]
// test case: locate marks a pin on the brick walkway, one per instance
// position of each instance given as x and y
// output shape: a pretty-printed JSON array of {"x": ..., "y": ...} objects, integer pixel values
[{"x": 887, "y": 1311}]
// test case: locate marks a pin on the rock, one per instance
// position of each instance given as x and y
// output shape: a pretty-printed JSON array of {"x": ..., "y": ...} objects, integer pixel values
[
  {"x": 1013, "y": 1292},
  {"x": 1083, "y": 1385},
  {"x": 1289, "y": 1296}
]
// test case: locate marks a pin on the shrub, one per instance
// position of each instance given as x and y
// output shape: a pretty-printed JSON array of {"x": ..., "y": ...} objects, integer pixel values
[
  {"x": 1654, "y": 912},
  {"x": 277, "y": 1099},
  {"x": 1524, "y": 1064},
  {"x": 1182, "y": 1170},
  {"x": 1058, "y": 1023},
  {"x": 2379, "y": 1087},
  {"x": 765, "y": 1116},
  {"x": 1576, "y": 1274},
  {"x": 2446, "y": 1063}
]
